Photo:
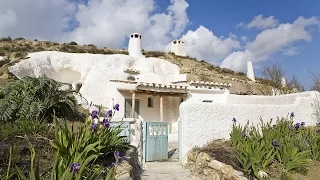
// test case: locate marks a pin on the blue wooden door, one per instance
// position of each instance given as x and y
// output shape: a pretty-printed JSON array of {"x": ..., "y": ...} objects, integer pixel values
[
  {"x": 125, "y": 126},
  {"x": 156, "y": 141}
]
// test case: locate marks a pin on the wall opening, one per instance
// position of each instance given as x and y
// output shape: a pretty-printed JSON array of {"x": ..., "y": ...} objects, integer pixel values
[
  {"x": 131, "y": 78},
  {"x": 136, "y": 35},
  {"x": 150, "y": 102}
]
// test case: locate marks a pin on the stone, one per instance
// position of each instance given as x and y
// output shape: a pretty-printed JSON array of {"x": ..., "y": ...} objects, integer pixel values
[
  {"x": 230, "y": 177},
  {"x": 205, "y": 157},
  {"x": 206, "y": 172},
  {"x": 217, "y": 165},
  {"x": 227, "y": 170},
  {"x": 192, "y": 155},
  {"x": 237, "y": 173},
  {"x": 215, "y": 176},
  {"x": 263, "y": 174},
  {"x": 125, "y": 176},
  {"x": 242, "y": 178}
]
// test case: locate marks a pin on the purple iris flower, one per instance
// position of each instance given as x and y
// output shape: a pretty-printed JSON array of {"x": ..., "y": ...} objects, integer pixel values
[
  {"x": 292, "y": 115},
  {"x": 275, "y": 144},
  {"x": 318, "y": 131},
  {"x": 94, "y": 114},
  {"x": 116, "y": 154},
  {"x": 109, "y": 113},
  {"x": 75, "y": 167},
  {"x": 297, "y": 125},
  {"x": 116, "y": 107},
  {"x": 94, "y": 127},
  {"x": 106, "y": 122},
  {"x": 234, "y": 120}
]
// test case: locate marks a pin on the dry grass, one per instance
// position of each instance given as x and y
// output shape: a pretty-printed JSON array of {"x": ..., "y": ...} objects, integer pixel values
[{"x": 222, "y": 151}]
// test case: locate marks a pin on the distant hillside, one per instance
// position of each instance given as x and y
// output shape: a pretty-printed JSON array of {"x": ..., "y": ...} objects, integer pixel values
[{"x": 16, "y": 50}]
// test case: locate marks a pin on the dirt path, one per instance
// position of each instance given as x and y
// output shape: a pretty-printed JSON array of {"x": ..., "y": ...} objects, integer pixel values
[{"x": 166, "y": 171}]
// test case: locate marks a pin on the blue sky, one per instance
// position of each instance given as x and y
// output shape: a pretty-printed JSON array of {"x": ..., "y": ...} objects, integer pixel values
[
  {"x": 223, "y": 32},
  {"x": 222, "y": 17}
]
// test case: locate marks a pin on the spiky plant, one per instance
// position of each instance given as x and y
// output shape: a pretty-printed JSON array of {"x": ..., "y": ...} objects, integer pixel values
[{"x": 35, "y": 98}]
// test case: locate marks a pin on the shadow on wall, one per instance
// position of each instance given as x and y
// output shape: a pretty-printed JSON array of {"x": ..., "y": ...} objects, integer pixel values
[{"x": 65, "y": 75}]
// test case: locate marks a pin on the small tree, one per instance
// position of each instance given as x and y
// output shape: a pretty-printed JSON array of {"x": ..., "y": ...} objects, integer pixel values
[
  {"x": 316, "y": 82},
  {"x": 294, "y": 83},
  {"x": 273, "y": 72}
]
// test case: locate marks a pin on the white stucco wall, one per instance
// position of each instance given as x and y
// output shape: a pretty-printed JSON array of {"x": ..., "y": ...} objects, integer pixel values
[
  {"x": 95, "y": 71},
  {"x": 204, "y": 122},
  {"x": 215, "y": 94}
]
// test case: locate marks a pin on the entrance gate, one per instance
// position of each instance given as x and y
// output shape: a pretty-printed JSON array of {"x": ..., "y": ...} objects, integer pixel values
[{"x": 156, "y": 141}]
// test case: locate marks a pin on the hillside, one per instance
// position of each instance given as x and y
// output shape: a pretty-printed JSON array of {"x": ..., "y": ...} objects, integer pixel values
[{"x": 15, "y": 50}]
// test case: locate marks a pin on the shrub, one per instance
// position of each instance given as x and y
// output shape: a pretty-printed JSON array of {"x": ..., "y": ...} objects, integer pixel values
[
  {"x": 92, "y": 45},
  {"x": 154, "y": 53},
  {"x": 77, "y": 152},
  {"x": 290, "y": 144},
  {"x": 35, "y": 98},
  {"x": 73, "y": 43},
  {"x": 2, "y": 53},
  {"x": 24, "y": 127},
  {"x": 6, "y": 39},
  {"x": 20, "y": 38}
]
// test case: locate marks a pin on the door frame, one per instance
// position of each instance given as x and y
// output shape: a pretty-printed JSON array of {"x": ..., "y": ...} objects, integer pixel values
[
  {"x": 137, "y": 106},
  {"x": 145, "y": 140}
]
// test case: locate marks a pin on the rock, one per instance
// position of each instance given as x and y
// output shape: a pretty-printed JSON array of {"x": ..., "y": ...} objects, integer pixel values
[
  {"x": 217, "y": 165},
  {"x": 263, "y": 174},
  {"x": 242, "y": 178},
  {"x": 123, "y": 168},
  {"x": 205, "y": 157},
  {"x": 192, "y": 155},
  {"x": 230, "y": 177},
  {"x": 227, "y": 170},
  {"x": 215, "y": 176},
  {"x": 237, "y": 173},
  {"x": 125, "y": 176},
  {"x": 207, "y": 172}
]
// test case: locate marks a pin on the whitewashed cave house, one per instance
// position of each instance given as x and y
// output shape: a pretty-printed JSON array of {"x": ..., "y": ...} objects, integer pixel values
[
  {"x": 154, "y": 93},
  {"x": 147, "y": 89}
]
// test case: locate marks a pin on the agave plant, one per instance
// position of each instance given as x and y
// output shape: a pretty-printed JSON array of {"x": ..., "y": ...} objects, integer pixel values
[{"x": 35, "y": 98}]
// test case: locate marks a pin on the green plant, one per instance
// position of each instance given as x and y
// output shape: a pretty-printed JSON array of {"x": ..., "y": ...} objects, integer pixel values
[
  {"x": 77, "y": 152},
  {"x": 291, "y": 144},
  {"x": 255, "y": 156},
  {"x": 35, "y": 98},
  {"x": 25, "y": 127},
  {"x": 290, "y": 157},
  {"x": 73, "y": 43},
  {"x": 313, "y": 140}
]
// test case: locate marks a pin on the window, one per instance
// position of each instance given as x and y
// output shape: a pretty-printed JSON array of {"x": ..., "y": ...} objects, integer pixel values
[
  {"x": 181, "y": 100},
  {"x": 150, "y": 102}
]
